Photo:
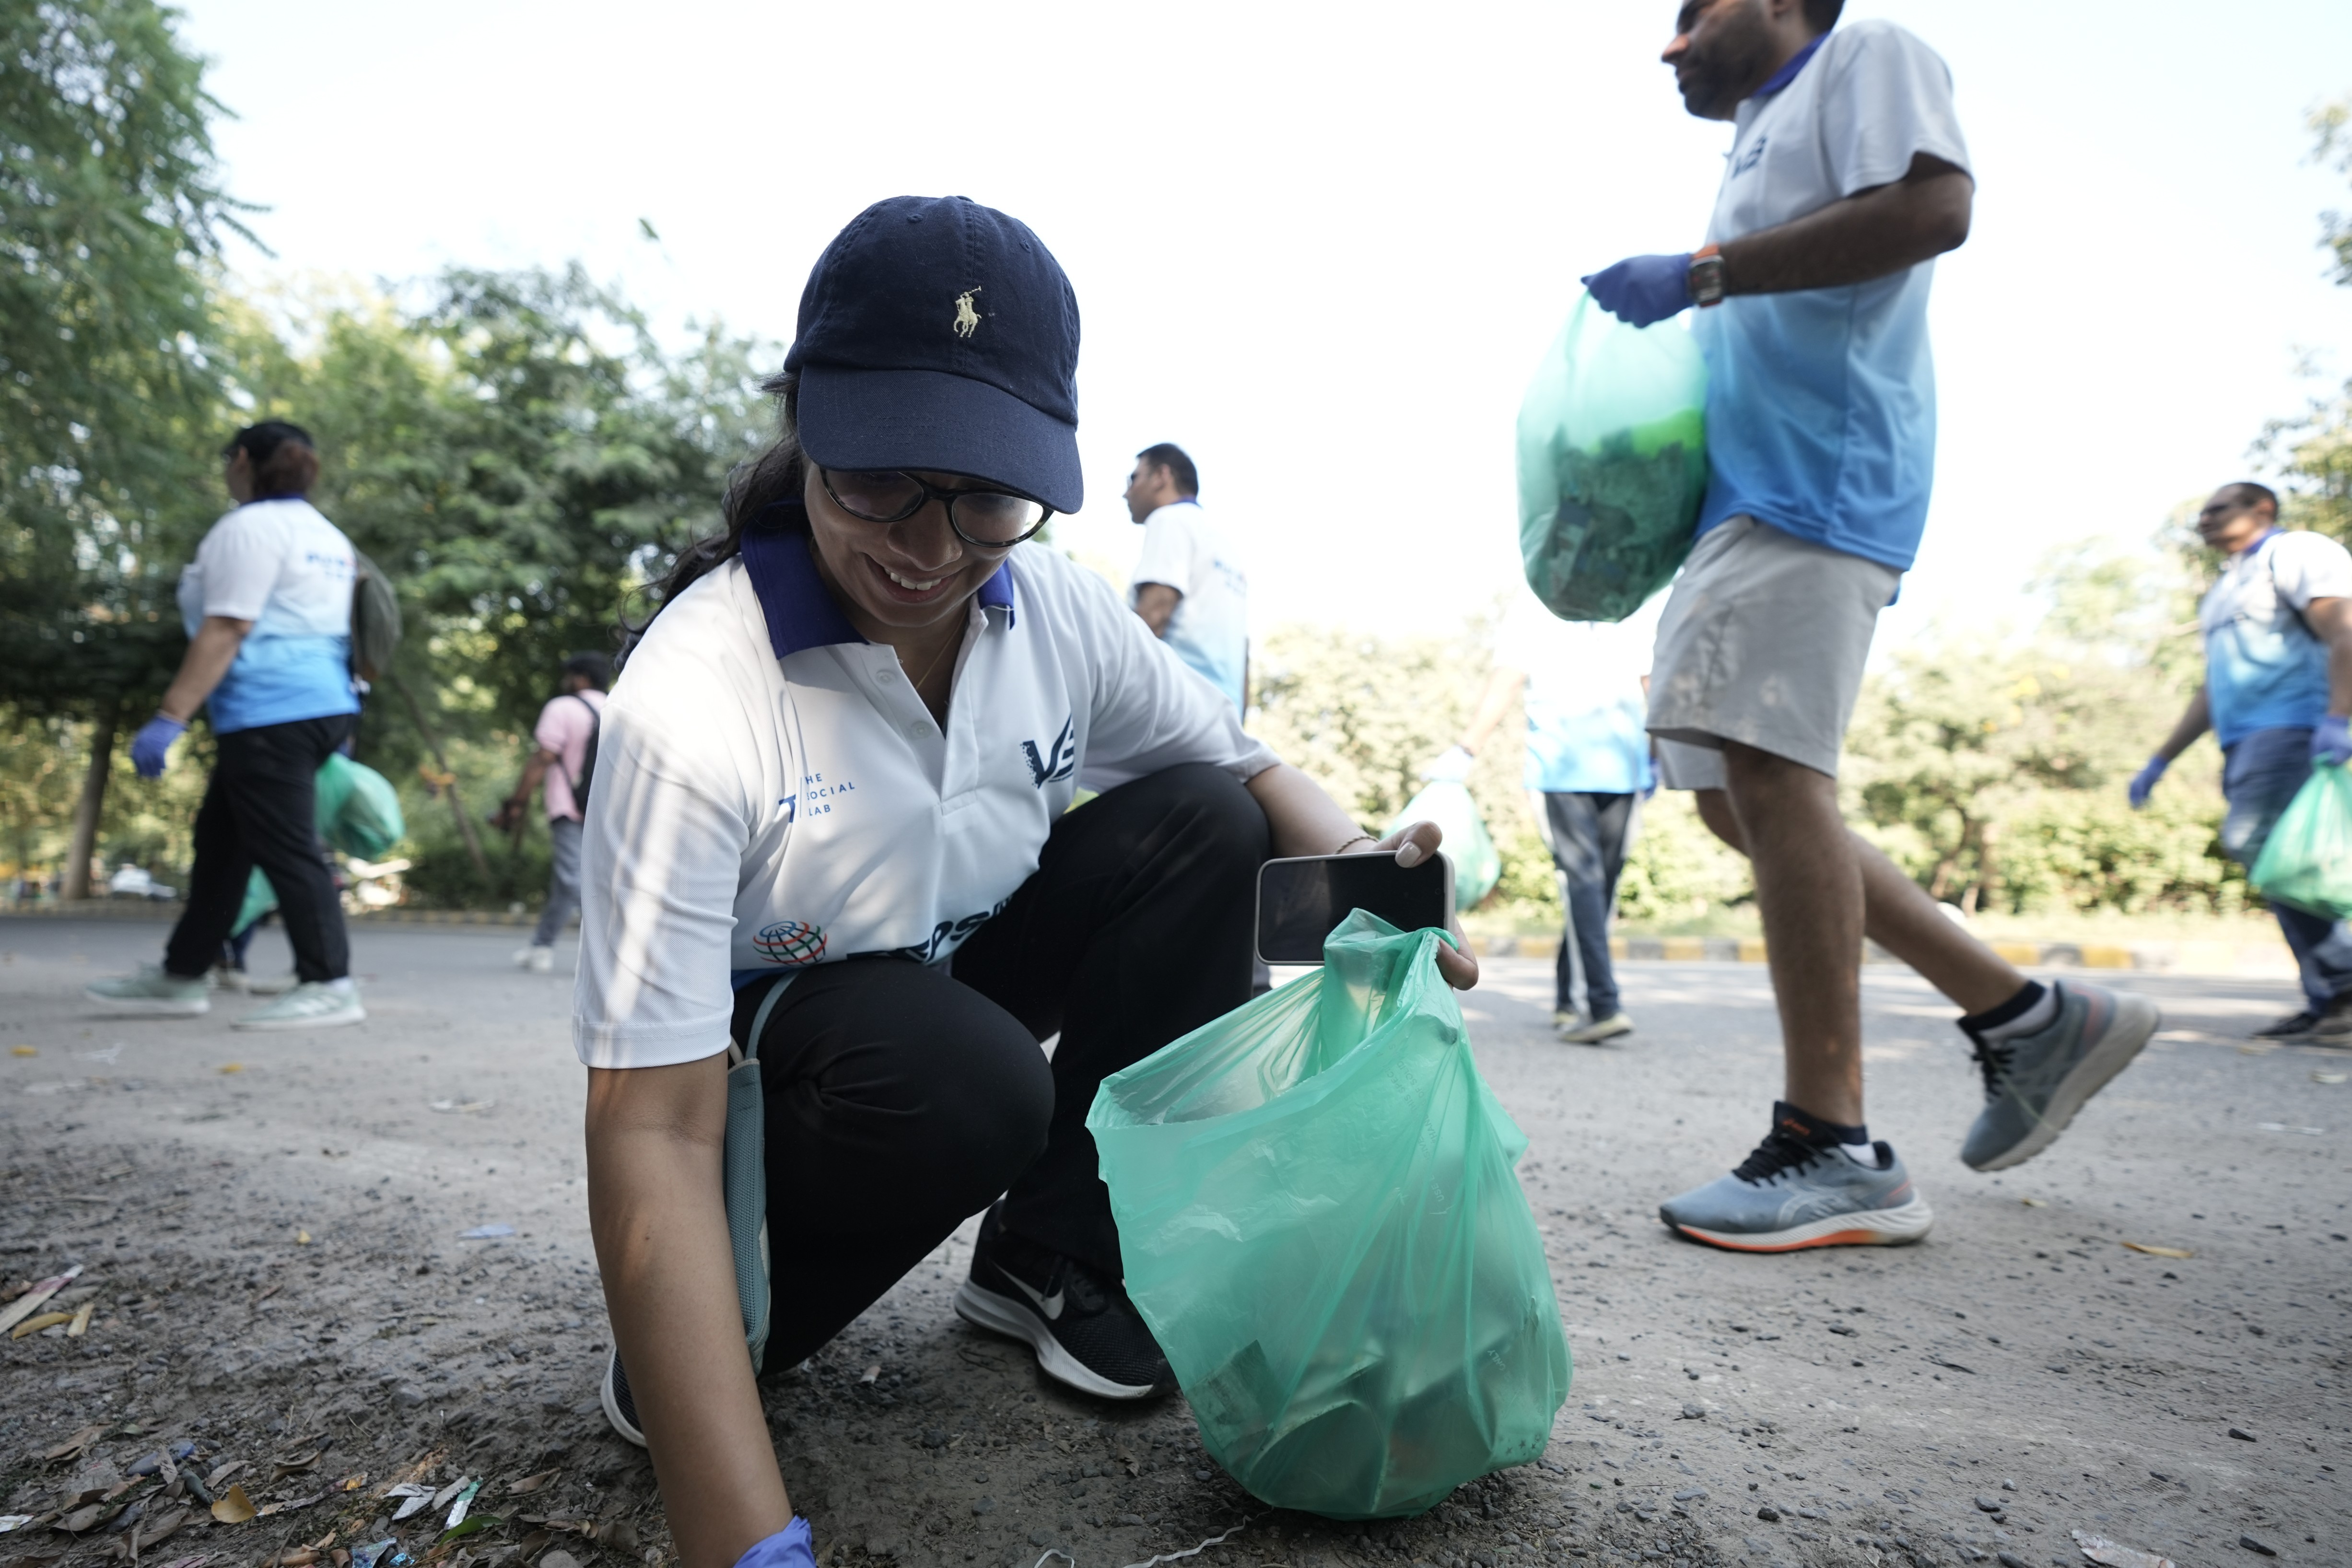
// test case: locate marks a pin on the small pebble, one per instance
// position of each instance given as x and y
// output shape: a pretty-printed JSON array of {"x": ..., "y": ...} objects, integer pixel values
[
  {"x": 2251, "y": 1544},
  {"x": 1769, "y": 1515},
  {"x": 1694, "y": 1412},
  {"x": 1988, "y": 1505},
  {"x": 2242, "y": 1435},
  {"x": 984, "y": 1505},
  {"x": 2010, "y": 1560}
]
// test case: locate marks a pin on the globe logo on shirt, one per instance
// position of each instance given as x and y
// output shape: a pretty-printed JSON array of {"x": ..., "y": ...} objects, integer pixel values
[{"x": 790, "y": 942}]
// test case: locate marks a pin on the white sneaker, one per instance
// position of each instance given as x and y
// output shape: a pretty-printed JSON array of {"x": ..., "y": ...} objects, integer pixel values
[
  {"x": 313, "y": 1005},
  {"x": 1598, "y": 1030},
  {"x": 538, "y": 960},
  {"x": 271, "y": 984},
  {"x": 149, "y": 994}
]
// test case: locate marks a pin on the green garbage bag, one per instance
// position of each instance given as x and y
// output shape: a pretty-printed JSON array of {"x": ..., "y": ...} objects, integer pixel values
[
  {"x": 1612, "y": 464},
  {"x": 357, "y": 811},
  {"x": 1319, "y": 1221},
  {"x": 1477, "y": 867},
  {"x": 2307, "y": 860}
]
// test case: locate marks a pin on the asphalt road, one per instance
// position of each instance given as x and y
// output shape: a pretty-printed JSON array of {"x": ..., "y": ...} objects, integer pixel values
[{"x": 271, "y": 1234}]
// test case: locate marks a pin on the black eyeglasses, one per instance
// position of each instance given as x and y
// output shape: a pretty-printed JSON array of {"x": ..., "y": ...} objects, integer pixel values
[{"x": 993, "y": 520}]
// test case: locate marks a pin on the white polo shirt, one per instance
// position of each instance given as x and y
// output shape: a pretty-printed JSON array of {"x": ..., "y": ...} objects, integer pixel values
[{"x": 770, "y": 792}]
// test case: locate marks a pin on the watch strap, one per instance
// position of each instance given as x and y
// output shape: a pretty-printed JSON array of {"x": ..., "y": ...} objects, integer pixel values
[{"x": 1706, "y": 276}]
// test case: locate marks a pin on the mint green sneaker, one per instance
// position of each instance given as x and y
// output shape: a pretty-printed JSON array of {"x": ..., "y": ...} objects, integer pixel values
[
  {"x": 313, "y": 1005},
  {"x": 149, "y": 994}
]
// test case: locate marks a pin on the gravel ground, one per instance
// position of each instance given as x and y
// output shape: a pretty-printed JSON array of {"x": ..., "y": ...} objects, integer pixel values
[{"x": 271, "y": 1235}]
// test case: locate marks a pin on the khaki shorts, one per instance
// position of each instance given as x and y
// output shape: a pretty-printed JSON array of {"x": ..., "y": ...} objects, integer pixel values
[{"x": 1763, "y": 642}]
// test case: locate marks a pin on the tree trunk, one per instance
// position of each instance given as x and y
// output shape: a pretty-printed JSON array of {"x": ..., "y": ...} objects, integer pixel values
[
  {"x": 1988, "y": 867},
  {"x": 84, "y": 840},
  {"x": 456, "y": 804}
]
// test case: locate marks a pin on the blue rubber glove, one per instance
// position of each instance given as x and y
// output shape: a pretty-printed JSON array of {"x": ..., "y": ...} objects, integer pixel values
[
  {"x": 1642, "y": 289},
  {"x": 788, "y": 1548},
  {"x": 2331, "y": 742},
  {"x": 2145, "y": 780},
  {"x": 150, "y": 748}
]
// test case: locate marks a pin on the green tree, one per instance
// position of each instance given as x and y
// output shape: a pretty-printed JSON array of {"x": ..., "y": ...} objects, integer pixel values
[
  {"x": 2313, "y": 450},
  {"x": 112, "y": 208}
]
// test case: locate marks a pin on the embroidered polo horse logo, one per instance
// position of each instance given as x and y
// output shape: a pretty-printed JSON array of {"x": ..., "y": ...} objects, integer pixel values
[{"x": 967, "y": 319}]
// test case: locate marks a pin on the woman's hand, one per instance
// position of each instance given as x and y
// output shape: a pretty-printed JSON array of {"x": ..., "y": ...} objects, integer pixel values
[{"x": 1412, "y": 844}]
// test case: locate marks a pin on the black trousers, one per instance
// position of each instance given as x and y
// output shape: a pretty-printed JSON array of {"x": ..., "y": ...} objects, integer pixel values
[
  {"x": 902, "y": 1099},
  {"x": 261, "y": 809}
]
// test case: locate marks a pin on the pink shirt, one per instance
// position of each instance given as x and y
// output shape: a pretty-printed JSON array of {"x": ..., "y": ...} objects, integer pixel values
[{"x": 564, "y": 726}]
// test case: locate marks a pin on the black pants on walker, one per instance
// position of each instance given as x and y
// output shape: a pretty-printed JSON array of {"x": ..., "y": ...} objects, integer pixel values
[
  {"x": 260, "y": 809},
  {"x": 901, "y": 1100}
]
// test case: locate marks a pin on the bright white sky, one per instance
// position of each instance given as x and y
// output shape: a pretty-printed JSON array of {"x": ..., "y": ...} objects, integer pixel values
[{"x": 1322, "y": 245}]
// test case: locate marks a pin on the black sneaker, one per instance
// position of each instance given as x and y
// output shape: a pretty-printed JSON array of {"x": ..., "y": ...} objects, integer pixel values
[
  {"x": 1086, "y": 1332},
  {"x": 2332, "y": 1027},
  {"x": 2289, "y": 1027},
  {"x": 620, "y": 1408}
]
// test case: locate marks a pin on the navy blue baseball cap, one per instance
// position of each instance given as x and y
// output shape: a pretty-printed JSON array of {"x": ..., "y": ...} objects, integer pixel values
[{"x": 939, "y": 333}]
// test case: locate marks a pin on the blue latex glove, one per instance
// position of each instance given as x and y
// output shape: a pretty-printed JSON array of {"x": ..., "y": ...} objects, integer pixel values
[
  {"x": 2331, "y": 742},
  {"x": 788, "y": 1548},
  {"x": 2144, "y": 781},
  {"x": 150, "y": 748},
  {"x": 1642, "y": 289},
  {"x": 1452, "y": 766}
]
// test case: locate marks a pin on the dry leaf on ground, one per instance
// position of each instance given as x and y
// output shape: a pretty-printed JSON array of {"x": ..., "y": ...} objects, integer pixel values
[
  {"x": 233, "y": 1506},
  {"x": 2154, "y": 1251}
]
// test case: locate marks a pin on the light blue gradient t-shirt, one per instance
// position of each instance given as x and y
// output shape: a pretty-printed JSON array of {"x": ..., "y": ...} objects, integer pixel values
[
  {"x": 1586, "y": 709},
  {"x": 1820, "y": 404},
  {"x": 2264, "y": 667},
  {"x": 288, "y": 570}
]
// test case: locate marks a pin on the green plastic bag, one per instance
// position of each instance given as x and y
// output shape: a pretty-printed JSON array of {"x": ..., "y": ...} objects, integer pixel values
[
  {"x": 1319, "y": 1222},
  {"x": 1612, "y": 464},
  {"x": 1476, "y": 865},
  {"x": 2307, "y": 860},
  {"x": 357, "y": 811}
]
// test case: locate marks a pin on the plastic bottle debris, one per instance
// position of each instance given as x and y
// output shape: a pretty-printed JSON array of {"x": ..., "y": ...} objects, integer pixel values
[{"x": 486, "y": 1233}]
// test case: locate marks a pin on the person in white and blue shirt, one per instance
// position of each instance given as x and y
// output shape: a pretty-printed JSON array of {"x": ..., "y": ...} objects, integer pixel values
[
  {"x": 832, "y": 829},
  {"x": 267, "y": 608},
  {"x": 1187, "y": 583},
  {"x": 2277, "y": 625},
  {"x": 1583, "y": 687},
  {"x": 1846, "y": 177}
]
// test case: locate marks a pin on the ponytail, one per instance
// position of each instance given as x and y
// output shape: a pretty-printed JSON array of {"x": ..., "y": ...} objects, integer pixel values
[{"x": 285, "y": 459}]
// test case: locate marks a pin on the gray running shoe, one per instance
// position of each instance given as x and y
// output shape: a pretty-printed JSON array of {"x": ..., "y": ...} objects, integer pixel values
[
  {"x": 2036, "y": 1083},
  {"x": 149, "y": 994},
  {"x": 1791, "y": 1193}
]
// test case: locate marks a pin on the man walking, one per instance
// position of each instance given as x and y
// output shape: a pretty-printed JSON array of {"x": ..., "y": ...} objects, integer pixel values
[
  {"x": 1847, "y": 178},
  {"x": 566, "y": 735},
  {"x": 2277, "y": 626},
  {"x": 1587, "y": 769},
  {"x": 1189, "y": 585}
]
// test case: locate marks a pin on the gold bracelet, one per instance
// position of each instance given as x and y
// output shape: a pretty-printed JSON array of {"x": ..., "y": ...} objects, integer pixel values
[{"x": 1359, "y": 838}]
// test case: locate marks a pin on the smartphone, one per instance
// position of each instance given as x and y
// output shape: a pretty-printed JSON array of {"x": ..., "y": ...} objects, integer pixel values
[{"x": 1298, "y": 901}]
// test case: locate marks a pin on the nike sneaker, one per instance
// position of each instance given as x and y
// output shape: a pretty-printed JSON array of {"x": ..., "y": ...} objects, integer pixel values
[{"x": 1084, "y": 1330}]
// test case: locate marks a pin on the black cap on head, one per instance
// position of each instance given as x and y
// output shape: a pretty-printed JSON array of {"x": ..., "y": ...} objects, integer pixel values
[{"x": 939, "y": 333}]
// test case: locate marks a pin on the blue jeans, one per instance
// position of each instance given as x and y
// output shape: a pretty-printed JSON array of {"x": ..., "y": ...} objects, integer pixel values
[
  {"x": 562, "y": 880},
  {"x": 2260, "y": 774},
  {"x": 1590, "y": 835}
]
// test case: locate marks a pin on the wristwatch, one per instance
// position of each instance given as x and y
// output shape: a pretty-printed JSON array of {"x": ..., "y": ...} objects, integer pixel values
[{"x": 1707, "y": 277}]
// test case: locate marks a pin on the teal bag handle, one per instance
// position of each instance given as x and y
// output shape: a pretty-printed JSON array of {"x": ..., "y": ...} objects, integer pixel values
[{"x": 744, "y": 1172}]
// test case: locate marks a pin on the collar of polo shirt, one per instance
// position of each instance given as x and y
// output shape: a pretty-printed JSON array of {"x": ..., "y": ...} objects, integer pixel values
[{"x": 800, "y": 609}]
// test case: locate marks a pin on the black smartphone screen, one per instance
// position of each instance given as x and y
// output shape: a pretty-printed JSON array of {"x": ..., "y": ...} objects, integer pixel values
[{"x": 1298, "y": 901}]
